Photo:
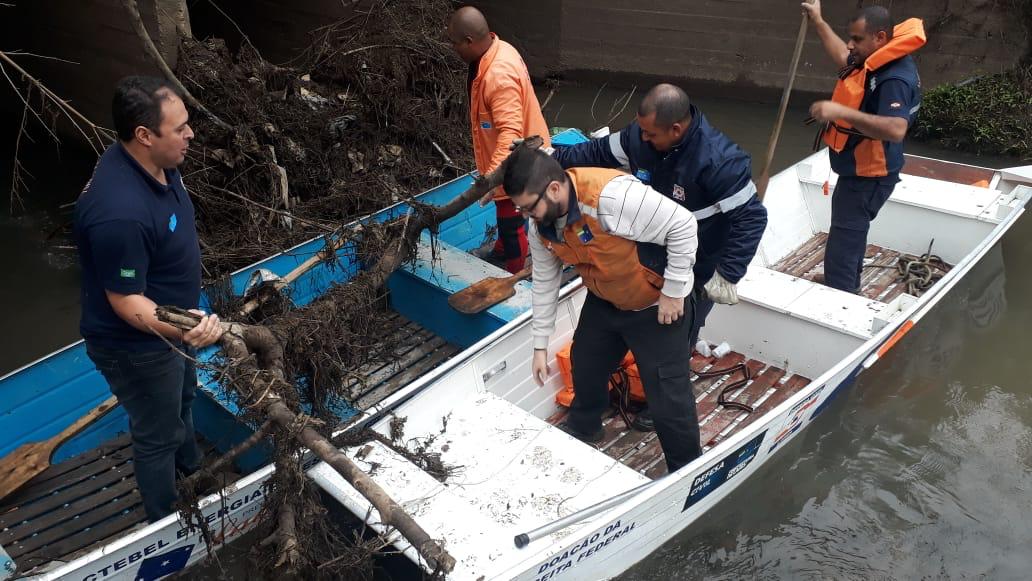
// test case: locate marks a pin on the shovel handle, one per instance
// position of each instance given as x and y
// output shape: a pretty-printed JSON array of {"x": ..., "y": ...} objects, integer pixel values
[{"x": 521, "y": 274}]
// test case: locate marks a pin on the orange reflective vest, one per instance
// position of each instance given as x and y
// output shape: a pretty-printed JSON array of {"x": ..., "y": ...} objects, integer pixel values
[
  {"x": 609, "y": 265},
  {"x": 907, "y": 37},
  {"x": 502, "y": 107}
]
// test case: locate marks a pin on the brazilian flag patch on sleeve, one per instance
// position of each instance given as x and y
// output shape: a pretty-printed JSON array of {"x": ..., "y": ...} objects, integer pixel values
[{"x": 127, "y": 273}]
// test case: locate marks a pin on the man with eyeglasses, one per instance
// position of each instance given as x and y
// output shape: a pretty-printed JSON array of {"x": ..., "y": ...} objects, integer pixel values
[
  {"x": 634, "y": 249},
  {"x": 673, "y": 148}
]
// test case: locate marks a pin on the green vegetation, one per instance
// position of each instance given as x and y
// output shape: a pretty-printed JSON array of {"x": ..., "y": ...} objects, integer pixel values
[{"x": 990, "y": 114}]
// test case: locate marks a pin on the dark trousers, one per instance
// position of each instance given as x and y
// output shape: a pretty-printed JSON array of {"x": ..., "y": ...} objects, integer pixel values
[
  {"x": 603, "y": 336},
  {"x": 157, "y": 389},
  {"x": 703, "y": 306},
  {"x": 854, "y": 204}
]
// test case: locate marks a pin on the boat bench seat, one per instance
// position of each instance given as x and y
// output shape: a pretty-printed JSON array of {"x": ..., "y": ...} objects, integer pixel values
[
  {"x": 958, "y": 199},
  {"x": 964, "y": 200},
  {"x": 813, "y": 302},
  {"x": 512, "y": 473}
]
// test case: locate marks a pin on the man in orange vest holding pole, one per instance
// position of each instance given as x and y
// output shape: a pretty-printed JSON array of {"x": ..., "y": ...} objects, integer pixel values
[
  {"x": 874, "y": 103},
  {"x": 502, "y": 107},
  {"x": 634, "y": 248}
]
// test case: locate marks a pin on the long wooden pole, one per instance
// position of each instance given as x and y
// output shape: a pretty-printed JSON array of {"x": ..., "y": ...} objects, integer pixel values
[{"x": 761, "y": 184}]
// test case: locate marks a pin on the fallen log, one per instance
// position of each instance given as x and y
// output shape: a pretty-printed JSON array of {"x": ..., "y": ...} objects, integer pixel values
[
  {"x": 427, "y": 217},
  {"x": 257, "y": 353}
]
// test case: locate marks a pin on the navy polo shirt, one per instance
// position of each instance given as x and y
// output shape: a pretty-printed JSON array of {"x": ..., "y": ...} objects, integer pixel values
[
  {"x": 135, "y": 236},
  {"x": 894, "y": 90}
]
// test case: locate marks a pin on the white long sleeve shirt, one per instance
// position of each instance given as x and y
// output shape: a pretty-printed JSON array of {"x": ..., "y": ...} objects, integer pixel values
[{"x": 629, "y": 209}]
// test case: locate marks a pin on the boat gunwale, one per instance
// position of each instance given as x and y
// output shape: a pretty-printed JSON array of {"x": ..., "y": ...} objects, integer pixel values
[{"x": 857, "y": 357}]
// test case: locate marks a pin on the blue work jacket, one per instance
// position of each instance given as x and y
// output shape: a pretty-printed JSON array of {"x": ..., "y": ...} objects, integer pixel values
[{"x": 706, "y": 172}]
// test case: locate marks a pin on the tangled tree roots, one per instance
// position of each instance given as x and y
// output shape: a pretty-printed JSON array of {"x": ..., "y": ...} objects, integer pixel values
[
  {"x": 350, "y": 130},
  {"x": 262, "y": 377}
]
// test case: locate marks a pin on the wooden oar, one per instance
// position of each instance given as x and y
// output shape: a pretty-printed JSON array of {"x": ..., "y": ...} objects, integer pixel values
[
  {"x": 486, "y": 293},
  {"x": 761, "y": 183},
  {"x": 28, "y": 460}
]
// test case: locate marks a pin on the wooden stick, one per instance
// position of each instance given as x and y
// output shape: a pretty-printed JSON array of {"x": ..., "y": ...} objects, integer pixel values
[
  {"x": 387, "y": 265},
  {"x": 100, "y": 133},
  {"x": 761, "y": 184}
]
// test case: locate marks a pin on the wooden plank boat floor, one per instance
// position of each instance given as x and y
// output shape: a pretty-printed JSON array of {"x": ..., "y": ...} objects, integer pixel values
[
  {"x": 91, "y": 499},
  {"x": 765, "y": 388},
  {"x": 413, "y": 351},
  {"x": 85, "y": 501},
  {"x": 879, "y": 280}
]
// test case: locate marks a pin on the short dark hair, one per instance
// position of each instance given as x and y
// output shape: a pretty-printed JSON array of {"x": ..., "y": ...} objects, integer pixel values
[
  {"x": 137, "y": 102},
  {"x": 876, "y": 19},
  {"x": 669, "y": 102},
  {"x": 530, "y": 170}
]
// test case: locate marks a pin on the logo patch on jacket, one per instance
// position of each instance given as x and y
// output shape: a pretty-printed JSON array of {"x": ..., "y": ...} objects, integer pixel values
[
  {"x": 678, "y": 193},
  {"x": 895, "y": 105},
  {"x": 485, "y": 124},
  {"x": 172, "y": 221},
  {"x": 643, "y": 175},
  {"x": 874, "y": 82},
  {"x": 127, "y": 272},
  {"x": 585, "y": 235}
]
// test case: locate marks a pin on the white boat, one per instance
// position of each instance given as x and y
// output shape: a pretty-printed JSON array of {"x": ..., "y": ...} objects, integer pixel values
[{"x": 529, "y": 502}]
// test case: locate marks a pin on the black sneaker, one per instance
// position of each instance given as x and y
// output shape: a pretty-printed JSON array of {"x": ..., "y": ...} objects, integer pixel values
[
  {"x": 595, "y": 438},
  {"x": 643, "y": 421}
]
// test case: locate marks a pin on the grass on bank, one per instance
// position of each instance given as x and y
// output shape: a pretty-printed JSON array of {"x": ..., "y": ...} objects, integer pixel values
[{"x": 986, "y": 115}]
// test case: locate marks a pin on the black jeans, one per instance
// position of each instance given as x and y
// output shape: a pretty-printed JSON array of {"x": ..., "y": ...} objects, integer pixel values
[
  {"x": 603, "y": 336},
  {"x": 157, "y": 389},
  {"x": 854, "y": 204}
]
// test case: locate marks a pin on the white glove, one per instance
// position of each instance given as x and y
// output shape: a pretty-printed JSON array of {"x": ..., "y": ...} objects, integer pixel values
[{"x": 721, "y": 291}]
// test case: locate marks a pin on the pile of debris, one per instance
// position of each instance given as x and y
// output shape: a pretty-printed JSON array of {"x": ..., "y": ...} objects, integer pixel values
[{"x": 374, "y": 114}]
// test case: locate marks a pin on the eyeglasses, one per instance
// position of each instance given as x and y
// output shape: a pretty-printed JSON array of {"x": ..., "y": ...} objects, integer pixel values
[{"x": 537, "y": 201}]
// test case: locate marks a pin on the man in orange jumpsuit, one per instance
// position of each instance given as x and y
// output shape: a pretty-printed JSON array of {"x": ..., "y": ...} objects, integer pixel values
[{"x": 502, "y": 107}]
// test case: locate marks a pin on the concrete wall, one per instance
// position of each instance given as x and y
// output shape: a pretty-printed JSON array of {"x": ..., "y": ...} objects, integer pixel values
[
  {"x": 745, "y": 43},
  {"x": 97, "y": 40}
]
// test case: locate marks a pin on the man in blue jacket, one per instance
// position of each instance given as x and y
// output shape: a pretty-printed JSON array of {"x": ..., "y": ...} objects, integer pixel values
[{"x": 672, "y": 147}]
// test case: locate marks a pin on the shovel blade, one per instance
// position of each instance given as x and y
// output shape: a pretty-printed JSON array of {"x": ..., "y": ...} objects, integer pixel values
[{"x": 482, "y": 295}]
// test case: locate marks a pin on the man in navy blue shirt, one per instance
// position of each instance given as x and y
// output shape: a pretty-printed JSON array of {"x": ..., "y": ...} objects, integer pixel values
[
  {"x": 138, "y": 248},
  {"x": 672, "y": 147},
  {"x": 874, "y": 103}
]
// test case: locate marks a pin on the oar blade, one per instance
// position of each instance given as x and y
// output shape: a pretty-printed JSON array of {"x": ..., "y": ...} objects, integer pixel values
[
  {"x": 482, "y": 295},
  {"x": 23, "y": 465}
]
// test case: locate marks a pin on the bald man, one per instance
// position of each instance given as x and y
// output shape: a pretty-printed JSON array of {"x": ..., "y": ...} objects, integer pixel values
[
  {"x": 502, "y": 107},
  {"x": 673, "y": 148}
]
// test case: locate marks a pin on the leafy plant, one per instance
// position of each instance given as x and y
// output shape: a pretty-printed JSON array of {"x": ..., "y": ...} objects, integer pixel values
[{"x": 990, "y": 114}]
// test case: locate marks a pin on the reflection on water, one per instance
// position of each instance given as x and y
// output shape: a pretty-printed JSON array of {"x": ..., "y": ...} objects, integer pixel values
[{"x": 40, "y": 294}]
